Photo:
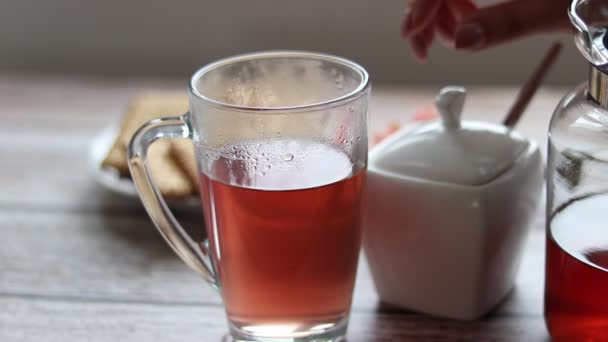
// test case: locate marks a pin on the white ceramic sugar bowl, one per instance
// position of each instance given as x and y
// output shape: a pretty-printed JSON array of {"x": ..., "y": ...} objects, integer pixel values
[{"x": 447, "y": 211}]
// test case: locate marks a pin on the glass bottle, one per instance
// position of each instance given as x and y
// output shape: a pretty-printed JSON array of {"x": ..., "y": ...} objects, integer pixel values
[{"x": 576, "y": 283}]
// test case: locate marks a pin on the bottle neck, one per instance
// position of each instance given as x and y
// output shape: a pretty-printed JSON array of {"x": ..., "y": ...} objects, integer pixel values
[{"x": 598, "y": 86}]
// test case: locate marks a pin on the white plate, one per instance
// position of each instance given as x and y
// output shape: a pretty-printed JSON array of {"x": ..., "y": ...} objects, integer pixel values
[{"x": 110, "y": 179}]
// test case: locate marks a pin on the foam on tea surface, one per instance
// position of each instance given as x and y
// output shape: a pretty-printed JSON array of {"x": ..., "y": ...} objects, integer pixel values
[{"x": 280, "y": 164}]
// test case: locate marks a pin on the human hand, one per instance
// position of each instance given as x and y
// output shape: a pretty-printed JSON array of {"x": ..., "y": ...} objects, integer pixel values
[{"x": 461, "y": 25}]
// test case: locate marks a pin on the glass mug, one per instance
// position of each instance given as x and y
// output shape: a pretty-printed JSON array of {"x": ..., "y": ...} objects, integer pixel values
[{"x": 281, "y": 145}]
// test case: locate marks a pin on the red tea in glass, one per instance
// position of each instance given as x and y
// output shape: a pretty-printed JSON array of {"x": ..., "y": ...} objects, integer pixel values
[
  {"x": 576, "y": 293},
  {"x": 285, "y": 232}
]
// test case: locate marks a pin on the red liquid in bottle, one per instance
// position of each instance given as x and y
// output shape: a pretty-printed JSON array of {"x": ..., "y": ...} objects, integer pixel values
[
  {"x": 286, "y": 240},
  {"x": 576, "y": 292}
]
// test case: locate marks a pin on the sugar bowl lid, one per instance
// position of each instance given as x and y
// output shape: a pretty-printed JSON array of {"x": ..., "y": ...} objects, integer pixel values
[{"x": 451, "y": 151}]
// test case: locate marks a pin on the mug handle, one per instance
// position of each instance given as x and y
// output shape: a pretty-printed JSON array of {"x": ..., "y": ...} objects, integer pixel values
[{"x": 195, "y": 255}]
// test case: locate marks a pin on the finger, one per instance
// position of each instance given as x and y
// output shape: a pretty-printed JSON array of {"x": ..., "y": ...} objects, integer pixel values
[
  {"x": 446, "y": 26},
  {"x": 421, "y": 43},
  {"x": 500, "y": 23},
  {"x": 417, "y": 49},
  {"x": 405, "y": 21},
  {"x": 420, "y": 17},
  {"x": 461, "y": 9},
  {"x": 449, "y": 16},
  {"x": 427, "y": 37},
  {"x": 408, "y": 5},
  {"x": 406, "y": 26}
]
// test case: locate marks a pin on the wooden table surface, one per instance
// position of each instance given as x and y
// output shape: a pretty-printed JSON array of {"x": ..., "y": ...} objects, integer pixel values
[{"x": 80, "y": 263}]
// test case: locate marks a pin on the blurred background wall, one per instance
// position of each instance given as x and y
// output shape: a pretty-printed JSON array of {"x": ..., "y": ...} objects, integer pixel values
[{"x": 158, "y": 38}]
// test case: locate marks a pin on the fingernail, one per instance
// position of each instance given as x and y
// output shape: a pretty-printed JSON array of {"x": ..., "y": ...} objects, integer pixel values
[{"x": 470, "y": 36}]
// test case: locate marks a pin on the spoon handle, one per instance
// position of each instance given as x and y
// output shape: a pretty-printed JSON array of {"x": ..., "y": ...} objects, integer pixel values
[{"x": 529, "y": 88}]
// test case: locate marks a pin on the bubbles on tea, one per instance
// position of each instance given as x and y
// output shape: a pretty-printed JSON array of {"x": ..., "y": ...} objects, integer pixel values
[
  {"x": 288, "y": 157},
  {"x": 272, "y": 163}
]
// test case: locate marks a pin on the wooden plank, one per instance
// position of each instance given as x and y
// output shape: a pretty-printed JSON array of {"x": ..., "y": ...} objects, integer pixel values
[
  {"x": 53, "y": 320},
  {"x": 94, "y": 256},
  {"x": 51, "y": 172},
  {"x": 118, "y": 258},
  {"x": 38, "y": 101}
]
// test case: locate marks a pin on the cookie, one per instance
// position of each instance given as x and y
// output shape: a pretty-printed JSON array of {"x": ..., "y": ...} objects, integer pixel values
[
  {"x": 182, "y": 152},
  {"x": 141, "y": 110},
  {"x": 171, "y": 180}
]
